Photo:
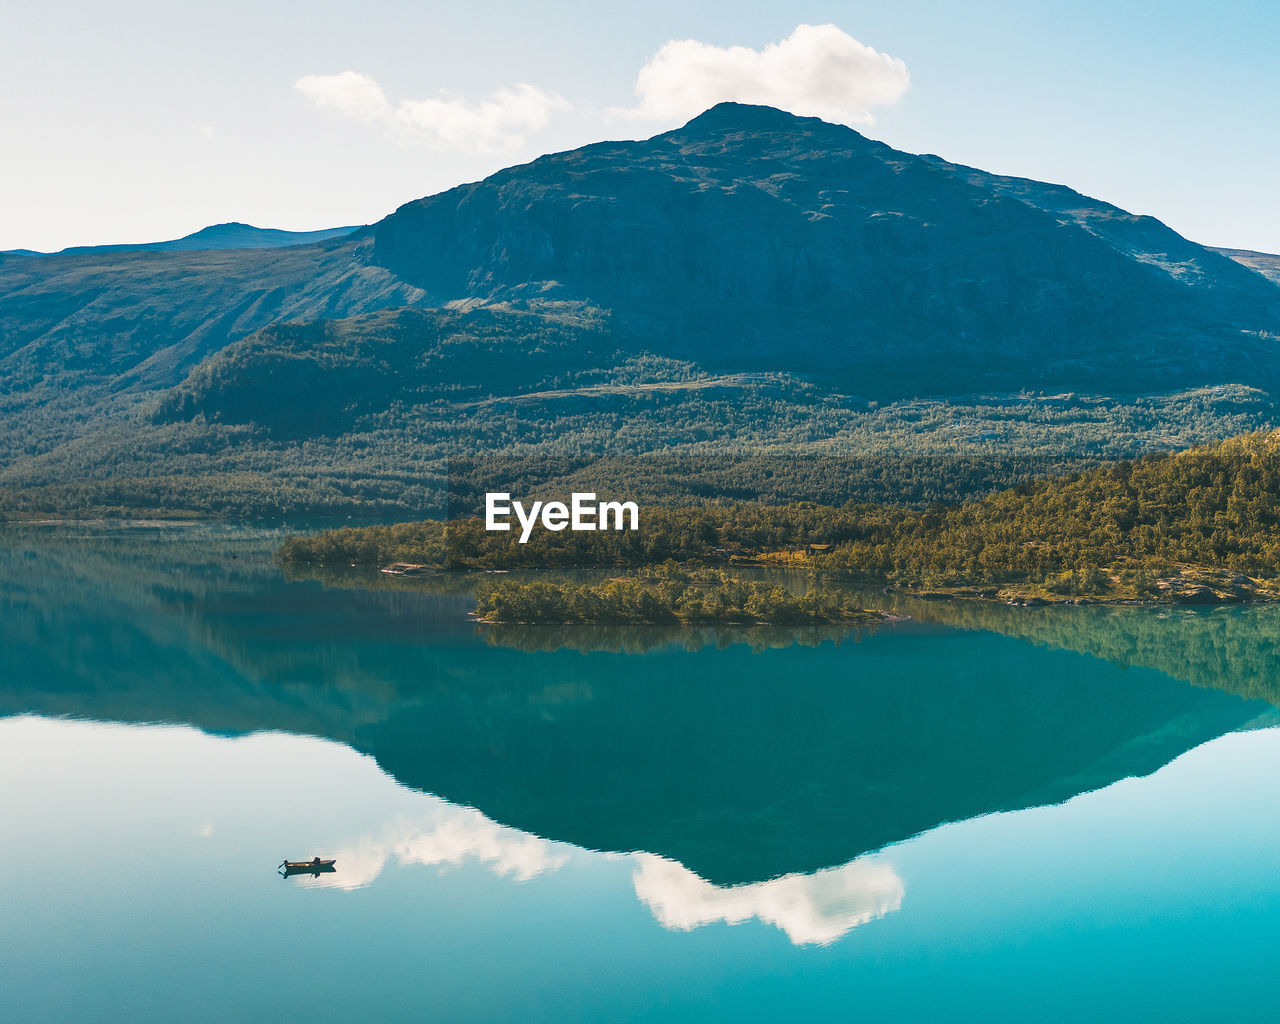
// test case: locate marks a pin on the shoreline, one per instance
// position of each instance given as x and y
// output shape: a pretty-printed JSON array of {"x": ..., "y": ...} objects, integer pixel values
[
  {"x": 878, "y": 618},
  {"x": 1188, "y": 600}
]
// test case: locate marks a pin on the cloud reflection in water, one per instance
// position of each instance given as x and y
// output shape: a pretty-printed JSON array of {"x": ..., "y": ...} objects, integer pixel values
[
  {"x": 812, "y": 909},
  {"x": 449, "y": 838}
]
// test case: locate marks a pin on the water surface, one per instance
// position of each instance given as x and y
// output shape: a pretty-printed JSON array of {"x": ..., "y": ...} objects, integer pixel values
[{"x": 982, "y": 814}]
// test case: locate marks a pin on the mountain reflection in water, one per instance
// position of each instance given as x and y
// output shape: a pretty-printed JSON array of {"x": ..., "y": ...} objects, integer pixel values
[{"x": 750, "y": 771}]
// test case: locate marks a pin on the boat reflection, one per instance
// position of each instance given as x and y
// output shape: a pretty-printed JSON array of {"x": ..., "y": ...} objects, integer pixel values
[{"x": 289, "y": 868}]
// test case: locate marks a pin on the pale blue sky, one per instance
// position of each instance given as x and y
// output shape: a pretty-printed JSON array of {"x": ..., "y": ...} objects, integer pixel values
[{"x": 143, "y": 120}]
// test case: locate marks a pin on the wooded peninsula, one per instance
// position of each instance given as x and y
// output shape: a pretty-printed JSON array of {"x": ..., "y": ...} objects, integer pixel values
[{"x": 1198, "y": 526}]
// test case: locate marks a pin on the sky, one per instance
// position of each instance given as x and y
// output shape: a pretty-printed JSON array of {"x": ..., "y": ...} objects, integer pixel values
[{"x": 140, "y": 121}]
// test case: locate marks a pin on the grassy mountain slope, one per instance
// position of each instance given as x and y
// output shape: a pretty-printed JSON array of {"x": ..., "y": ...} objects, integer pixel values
[
  {"x": 84, "y": 338},
  {"x": 144, "y": 318}
]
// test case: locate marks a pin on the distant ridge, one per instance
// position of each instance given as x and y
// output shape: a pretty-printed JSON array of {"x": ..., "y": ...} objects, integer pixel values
[
  {"x": 233, "y": 235},
  {"x": 1264, "y": 263}
]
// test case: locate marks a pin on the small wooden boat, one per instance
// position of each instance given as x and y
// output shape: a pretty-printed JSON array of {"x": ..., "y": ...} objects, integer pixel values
[{"x": 313, "y": 867}]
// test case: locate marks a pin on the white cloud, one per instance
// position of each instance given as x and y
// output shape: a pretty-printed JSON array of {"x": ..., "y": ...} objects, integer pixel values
[
  {"x": 818, "y": 70},
  {"x": 494, "y": 125},
  {"x": 349, "y": 93},
  {"x": 811, "y": 909},
  {"x": 469, "y": 835}
]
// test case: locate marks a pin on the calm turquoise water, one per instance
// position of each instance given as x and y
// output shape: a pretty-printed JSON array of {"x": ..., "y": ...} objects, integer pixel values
[{"x": 982, "y": 814}]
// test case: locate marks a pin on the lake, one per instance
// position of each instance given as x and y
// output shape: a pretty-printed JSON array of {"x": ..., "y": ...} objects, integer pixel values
[{"x": 982, "y": 813}]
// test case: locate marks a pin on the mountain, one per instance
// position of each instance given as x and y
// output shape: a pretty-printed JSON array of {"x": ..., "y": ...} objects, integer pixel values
[
  {"x": 233, "y": 235},
  {"x": 753, "y": 281},
  {"x": 752, "y": 239}
]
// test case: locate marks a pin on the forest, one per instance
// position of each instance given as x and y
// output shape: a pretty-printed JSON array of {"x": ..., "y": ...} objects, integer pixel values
[
  {"x": 667, "y": 432},
  {"x": 1195, "y": 525}
]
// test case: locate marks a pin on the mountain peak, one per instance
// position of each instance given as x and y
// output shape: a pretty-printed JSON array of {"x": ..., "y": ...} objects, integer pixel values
[
  {"x": 236, "y": 225},
  {"x": 733, "y": 116}
]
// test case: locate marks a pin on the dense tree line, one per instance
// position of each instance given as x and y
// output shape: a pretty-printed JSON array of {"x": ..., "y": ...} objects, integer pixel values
[{"x": 670, "y": 594}]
